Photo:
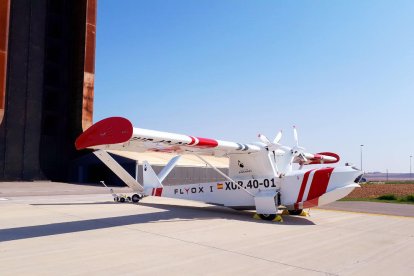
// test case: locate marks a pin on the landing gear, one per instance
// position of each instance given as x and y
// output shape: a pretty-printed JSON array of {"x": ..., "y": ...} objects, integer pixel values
[
  {"x": 267, "y": 217},
  {"x": 295, "y": 212},
  {"x": 122, "y": 199},
  {"x": 271, "y": 217},
  {"x": 135, "y": 198}
]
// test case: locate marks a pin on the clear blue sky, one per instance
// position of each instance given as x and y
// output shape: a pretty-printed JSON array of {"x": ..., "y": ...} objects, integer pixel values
[{"x": 341, "y": 71}]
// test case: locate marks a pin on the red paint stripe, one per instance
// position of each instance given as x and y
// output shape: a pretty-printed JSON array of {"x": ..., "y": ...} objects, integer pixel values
[
  {"x": 303, "y": 186},
  {"x": 320, "y": 182},
  {"x": 318, "y": 157},
  {"x": 311, "y": 203},
  {"x": 203, "y": 142},
  {"x": 192, "y": 141},
  {"x": 153, "y": 191},
  {"x": 207, "y": 143},
  {"x": 158, "y": 191}
]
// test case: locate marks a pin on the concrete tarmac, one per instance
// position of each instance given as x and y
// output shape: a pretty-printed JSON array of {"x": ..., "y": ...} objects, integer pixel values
[
  {"x": 90, "y": 234},
  {"x": 394, "y": 209}
]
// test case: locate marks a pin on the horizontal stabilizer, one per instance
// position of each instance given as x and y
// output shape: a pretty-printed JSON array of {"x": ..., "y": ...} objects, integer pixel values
[
  {"x": 118, "y": 170},
  {"x": 168, "y": 168}
]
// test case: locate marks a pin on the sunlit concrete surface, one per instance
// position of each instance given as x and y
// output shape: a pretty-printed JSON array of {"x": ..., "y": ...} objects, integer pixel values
[{"x": 89, "y": 234}]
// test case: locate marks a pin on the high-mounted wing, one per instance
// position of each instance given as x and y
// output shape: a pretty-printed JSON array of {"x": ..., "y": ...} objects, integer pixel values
[{"x": 117, "y": 133}]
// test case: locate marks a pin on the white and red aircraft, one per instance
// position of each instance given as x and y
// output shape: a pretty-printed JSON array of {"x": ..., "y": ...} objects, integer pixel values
[{"x": 260, "y": 175}]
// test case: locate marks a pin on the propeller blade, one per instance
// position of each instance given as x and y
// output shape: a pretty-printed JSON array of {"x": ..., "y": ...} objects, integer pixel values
[
  {"x": 295, "y": 136},
  {"x": 278, "y": 137},
  {"x": 264, "y": 139}
]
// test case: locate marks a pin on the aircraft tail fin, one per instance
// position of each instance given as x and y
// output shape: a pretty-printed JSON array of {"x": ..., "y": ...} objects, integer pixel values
[{"x": 152, "y": 184}]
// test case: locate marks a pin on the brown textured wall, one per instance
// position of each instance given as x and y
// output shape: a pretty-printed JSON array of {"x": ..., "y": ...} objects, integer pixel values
[
  {"x": 4, "y": 36},
  {"x": 89, "y": 67}
]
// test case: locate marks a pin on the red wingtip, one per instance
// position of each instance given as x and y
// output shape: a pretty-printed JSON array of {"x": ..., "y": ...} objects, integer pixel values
[{"x": 111, "y": 130}]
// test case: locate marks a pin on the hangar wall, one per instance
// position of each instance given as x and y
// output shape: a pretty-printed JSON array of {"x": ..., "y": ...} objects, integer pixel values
[
  {"x": 47, "y": 70},
  {"x": 47, "y": 49}
]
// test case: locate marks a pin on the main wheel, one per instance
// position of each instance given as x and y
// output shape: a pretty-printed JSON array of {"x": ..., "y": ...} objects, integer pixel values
[
  {"x": 135, "y": 198},
  {"x": 295, "y": 212},
  {"x": 122, "y": 199},
  {"x": 267, "y": 217}
]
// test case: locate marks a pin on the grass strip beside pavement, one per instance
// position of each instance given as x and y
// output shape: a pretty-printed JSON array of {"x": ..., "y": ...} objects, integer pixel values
[
  {"x": 387, "y": 198},
  {"x": 411, "y": 182}
]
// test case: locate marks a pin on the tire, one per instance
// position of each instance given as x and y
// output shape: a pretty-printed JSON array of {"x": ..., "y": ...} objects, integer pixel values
[
  {"x": 295, "y": 212},
  {"x": 129, "y": 198},
  {"x": 267, "y": 217},
  {"x": 135, "y": 198},
  {"x": 122, "y": 199}
]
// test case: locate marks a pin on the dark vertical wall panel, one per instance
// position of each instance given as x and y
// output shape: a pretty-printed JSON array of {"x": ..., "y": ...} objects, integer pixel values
[
  {"x": 21, "y": 126},
  {"x": 15, "y": 112},
  {"x": 63, "y": 81},
  {"x": 33, "y": 120},
  {"x": 45, "y": 77}
]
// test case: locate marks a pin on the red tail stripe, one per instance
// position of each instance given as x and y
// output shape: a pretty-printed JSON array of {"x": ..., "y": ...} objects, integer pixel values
[
  {"x": 303, "y": 186},
  {"x": 158, "y": 192},
  {"x": 319, "y": 183}
]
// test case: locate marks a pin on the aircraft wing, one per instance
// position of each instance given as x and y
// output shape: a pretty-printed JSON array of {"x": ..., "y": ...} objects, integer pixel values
[{"x": 117, "y": 133}]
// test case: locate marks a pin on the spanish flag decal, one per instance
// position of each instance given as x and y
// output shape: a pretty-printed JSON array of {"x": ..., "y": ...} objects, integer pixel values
[{"x": 219, "y": 186}]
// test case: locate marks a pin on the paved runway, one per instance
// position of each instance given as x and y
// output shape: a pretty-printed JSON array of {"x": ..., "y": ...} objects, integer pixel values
[{"x": 89, "y": 234}]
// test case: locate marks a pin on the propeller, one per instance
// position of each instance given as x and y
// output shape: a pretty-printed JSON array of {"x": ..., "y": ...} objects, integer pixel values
[
  {"x": 272, "y": 146},
  {"x": 297, "y": 151},
  {"x": 295, "y": 136},
  {"x": 278, "y": 137}
]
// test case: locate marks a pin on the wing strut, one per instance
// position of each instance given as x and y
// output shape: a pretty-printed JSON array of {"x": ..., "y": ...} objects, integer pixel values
[
  {"x": 118, "y": 170},
  {"x": 223, "y": 174}
]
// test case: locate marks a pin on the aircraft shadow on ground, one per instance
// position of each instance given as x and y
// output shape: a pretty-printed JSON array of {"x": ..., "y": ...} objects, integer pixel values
[{"x": 168, "y": 213}]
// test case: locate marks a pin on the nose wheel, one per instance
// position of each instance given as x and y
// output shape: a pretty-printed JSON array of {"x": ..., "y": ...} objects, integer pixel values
[{"x": 136, "y": 198}]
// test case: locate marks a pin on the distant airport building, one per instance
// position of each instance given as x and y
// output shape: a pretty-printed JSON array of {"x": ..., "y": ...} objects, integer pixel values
[{"x": 47, "y": 66}]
